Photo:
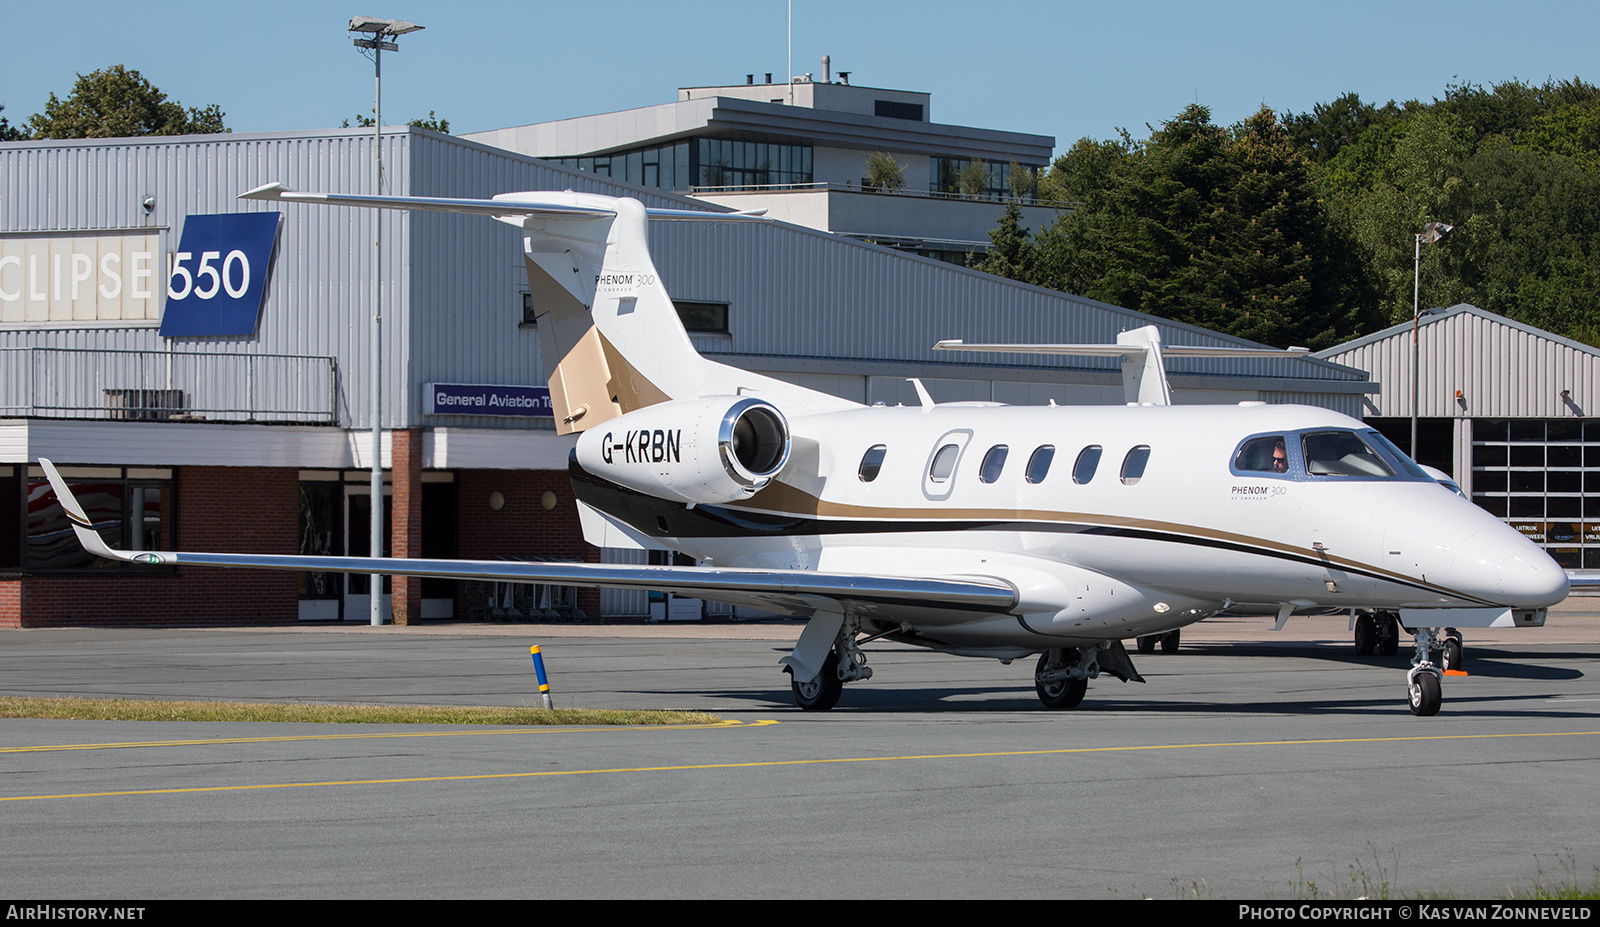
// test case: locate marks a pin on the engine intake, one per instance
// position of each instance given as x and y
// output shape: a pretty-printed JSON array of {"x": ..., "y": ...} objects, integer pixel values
[{"x": 721, "y": 449}]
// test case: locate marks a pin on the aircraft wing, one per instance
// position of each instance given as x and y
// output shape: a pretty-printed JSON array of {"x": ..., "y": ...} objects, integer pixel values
[{"x": 796, "y": 591}]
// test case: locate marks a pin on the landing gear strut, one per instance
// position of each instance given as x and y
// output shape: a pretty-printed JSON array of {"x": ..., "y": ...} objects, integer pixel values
[
  {"x": 1377, "y": 633},
  {"x": 1168, "y": 642},
  {"x": 1423, "y": 688},
  {"x": 844, "y": 663}
]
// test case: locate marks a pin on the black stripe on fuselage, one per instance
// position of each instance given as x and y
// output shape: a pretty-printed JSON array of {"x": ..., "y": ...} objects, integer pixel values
[{"x": 663, "y": 518}]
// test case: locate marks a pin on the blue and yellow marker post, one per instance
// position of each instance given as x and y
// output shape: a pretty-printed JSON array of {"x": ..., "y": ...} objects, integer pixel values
[{"x": 538, "y": 669}]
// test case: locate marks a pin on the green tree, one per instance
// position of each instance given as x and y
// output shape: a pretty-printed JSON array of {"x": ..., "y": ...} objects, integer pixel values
[
  {"x": 118, "y": 102},
  {"x": 431, "y": 121},
  {"x": 1211, "y": 226},
  {"x": 973, "y": 181},
  {"x": 884, "y": 172},
  {"x": 7, "y": 132},
  {"x": 1011, "y": 253},
  {"x": 1023, "y": 180}
]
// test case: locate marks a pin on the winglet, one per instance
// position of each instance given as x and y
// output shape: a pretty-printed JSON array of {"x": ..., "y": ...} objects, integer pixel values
[
  {"x": 267, "y": 191},
  {"x": 81, "y": 525}
]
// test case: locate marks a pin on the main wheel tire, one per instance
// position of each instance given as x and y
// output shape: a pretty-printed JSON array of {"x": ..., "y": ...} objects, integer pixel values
[
  {"x": 1147, "y": 644},
  {"x": 1366, "y": 635},
  {"x": 1062, "y": 695},
  {"x": 1388, "y": 636},
  {"x": 1169, "y": 641},
  {"x": 1425, "y": 695},
  {"x": 822, "y": 693},
  {"x": 1451, "y": 658}
]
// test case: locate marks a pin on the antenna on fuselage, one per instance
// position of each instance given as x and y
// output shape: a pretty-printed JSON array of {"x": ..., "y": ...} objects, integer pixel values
[{"x": 1142, "y": 354}]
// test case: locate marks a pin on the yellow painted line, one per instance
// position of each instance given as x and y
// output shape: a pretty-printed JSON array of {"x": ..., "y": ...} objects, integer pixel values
[
  {"x": 287, "y": 738},
  {"x": 759, "y": 764}
]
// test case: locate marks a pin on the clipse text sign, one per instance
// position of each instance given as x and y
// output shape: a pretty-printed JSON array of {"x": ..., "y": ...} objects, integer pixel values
[
  {"x": 487, "y": 399},
  {"x": 218, "y": 275}
]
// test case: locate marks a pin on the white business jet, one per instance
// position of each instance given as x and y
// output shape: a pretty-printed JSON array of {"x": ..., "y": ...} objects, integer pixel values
[{"x": 968, "y": 528}]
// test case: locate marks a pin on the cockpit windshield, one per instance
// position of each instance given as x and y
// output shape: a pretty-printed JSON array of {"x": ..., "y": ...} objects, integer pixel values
[
  {"x": 1324, "y": 453},
  {"x": 1341, "y": 453}
]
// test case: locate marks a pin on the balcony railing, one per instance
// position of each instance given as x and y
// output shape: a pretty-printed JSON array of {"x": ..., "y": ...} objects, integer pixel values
[
  {"x": 168, "y": 386},
  {"x": 868, "y": 188}
]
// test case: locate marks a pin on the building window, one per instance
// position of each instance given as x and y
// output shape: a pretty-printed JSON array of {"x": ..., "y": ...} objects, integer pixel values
[
  {"x": 944, "y": 176},
  {"x": 703, "y": 162},
  {"x": 702, "y": 318},
  {"x": 529, "y": 319},
  {"x": 131, "y": 507},
  {"x": 892, "y": 109}
]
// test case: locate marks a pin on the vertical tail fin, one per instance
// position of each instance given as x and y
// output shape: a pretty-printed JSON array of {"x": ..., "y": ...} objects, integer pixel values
[{"x": 611, "y": 338}]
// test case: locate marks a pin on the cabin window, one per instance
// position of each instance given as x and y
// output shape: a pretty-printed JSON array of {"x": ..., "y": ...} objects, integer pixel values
[
  {"x": 1263, "y": 455},
  {"x": 1133, "y": 464},
  {"x": 993, "y": 463},
  {"x": 1088, "y": 460},
  {"x": 1341, "y": 453},
  {"x": 1039, "y": 462},
  {"x": 872, "y": 462},
  {"x": 944, "y": 463}
]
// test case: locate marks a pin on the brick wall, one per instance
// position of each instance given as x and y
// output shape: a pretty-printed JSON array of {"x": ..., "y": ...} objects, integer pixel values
[
  {"x": 221, "y": 509},
  {"x": 523, "y": 528}
]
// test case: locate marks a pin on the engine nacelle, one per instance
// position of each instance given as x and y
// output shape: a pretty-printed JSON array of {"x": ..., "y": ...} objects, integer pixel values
[{"x": 722, "y": 449}]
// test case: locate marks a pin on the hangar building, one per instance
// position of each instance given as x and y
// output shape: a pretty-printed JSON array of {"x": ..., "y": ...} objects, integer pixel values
[
  {"x": 193, "y": 429},
  {"x": 1511, "y": 411}
]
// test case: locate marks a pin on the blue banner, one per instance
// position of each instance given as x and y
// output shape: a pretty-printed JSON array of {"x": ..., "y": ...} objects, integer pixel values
[
  {"x": 487, "y": 399},
  {"x": 219, "y": 275}
]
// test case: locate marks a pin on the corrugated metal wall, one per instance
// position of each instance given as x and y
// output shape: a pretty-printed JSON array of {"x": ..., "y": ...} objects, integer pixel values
[
  {"x": 1503, "y": 370},
  {"x": 319, "y": 296},
  {"x": 452, "y": 283}
]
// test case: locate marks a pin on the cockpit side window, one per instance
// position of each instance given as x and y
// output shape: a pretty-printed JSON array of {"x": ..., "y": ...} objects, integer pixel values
[
  {"x": 1341, "y": 453},
  {"x": 1263, "y": 455},
  {"x": 872, "y": 462}
]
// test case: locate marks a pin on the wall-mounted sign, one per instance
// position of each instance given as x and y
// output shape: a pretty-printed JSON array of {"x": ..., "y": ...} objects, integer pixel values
[
  {"x": 80, "y": 277},
  {"x": 219, "y": 274},
  {"x": 486, "y": 399}
]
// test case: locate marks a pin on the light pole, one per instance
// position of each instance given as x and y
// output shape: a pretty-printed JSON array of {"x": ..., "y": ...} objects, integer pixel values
[
  {"x": 376, "y": 31},
  {"x": 1430, "y": 233}
]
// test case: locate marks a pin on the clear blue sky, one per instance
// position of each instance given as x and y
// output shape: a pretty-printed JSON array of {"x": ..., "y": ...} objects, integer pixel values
[{"x": 1061, "y": 69}]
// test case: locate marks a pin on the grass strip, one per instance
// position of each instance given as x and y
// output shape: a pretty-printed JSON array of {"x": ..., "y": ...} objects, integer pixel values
[{"x": 107, "y": 709}]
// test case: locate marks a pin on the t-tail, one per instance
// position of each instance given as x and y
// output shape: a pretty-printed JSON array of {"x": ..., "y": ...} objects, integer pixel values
[{"x": 610, "y": 335}]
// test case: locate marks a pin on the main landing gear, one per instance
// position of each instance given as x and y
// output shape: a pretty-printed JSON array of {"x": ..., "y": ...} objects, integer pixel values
[
  {"x": 1377, "y": 633},
  {"x": 1168, "y": 642},
  {"x": 1062, "y": 675},
  {"x": 844, "y": 661}
]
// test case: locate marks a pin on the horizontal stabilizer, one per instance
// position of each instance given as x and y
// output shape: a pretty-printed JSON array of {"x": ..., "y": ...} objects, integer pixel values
[
  {"x": 1115, "y": 350},
  {"x": 542, "y": 205}
]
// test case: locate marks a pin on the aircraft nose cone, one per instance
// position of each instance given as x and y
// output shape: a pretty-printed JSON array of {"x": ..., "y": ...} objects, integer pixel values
[{"x": 1532, "y": 581}]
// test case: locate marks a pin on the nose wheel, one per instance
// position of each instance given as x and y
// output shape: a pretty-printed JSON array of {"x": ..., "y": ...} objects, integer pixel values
[
  {"x": 1424, "y": 693},
  {"x": 1423, "y": 689}
]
